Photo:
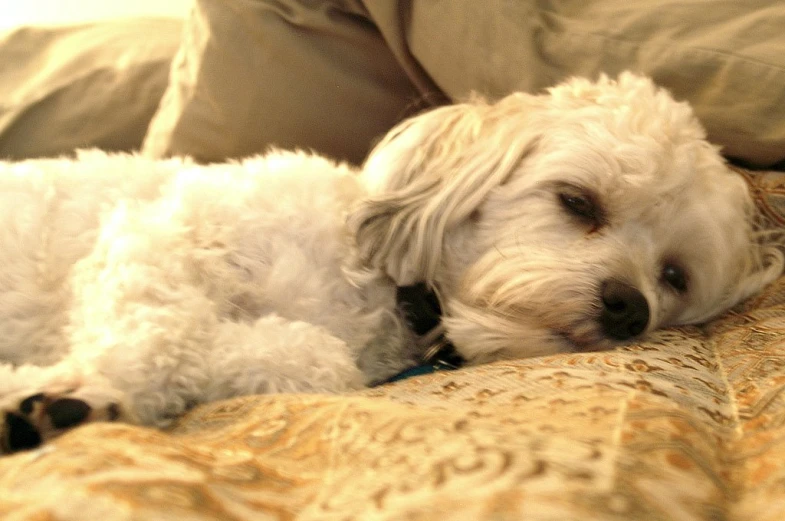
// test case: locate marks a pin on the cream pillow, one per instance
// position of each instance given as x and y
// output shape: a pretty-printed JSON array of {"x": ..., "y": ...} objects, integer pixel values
[
  {"x": 88, "y": 85},
  {"x": 299, "y": 74}
]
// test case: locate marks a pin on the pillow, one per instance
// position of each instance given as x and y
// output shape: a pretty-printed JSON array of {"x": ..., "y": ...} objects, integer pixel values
[
  {"x": 297, "y": 74},
  {"x": 727, "y": 58},
  {"x": 79, "y": 86},
  {"x": 334, "y": 74}
]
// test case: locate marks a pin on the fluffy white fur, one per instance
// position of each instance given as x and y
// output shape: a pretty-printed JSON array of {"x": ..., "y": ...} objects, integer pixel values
[{"x": 156, "y": 285}]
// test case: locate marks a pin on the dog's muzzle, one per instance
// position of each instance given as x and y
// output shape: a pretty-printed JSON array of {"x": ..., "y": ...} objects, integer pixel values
[{"x": 625, "y": 311}]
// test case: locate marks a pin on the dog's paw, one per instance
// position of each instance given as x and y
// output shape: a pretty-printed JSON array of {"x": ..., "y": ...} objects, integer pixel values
[{"x": 35, "y": 419}]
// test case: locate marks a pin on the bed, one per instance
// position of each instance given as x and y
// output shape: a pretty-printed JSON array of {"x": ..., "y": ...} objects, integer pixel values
[{"x": 687, "y": 425}]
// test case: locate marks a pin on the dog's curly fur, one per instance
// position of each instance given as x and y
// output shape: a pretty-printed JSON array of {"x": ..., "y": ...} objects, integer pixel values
[{"x": 132, "y": 289}]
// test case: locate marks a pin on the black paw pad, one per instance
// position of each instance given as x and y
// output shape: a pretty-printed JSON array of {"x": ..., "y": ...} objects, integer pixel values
[
  {"x": 67, "y": 412},
  {"x": 20, "y": 434}
]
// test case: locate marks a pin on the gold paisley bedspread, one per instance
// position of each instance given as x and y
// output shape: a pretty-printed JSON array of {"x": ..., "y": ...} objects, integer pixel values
[{"x": 687, "y": 426}]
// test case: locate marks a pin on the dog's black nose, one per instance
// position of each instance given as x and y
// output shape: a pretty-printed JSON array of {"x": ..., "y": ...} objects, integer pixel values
[{"x": 625, "y": 311}]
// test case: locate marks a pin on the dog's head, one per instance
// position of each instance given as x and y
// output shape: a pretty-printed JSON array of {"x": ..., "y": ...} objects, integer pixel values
[{"x": 577, "y": 219}]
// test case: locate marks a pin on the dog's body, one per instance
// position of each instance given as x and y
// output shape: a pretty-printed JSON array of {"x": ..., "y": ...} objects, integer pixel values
[
  {"x": 132, "y": 289},
  {"x": 181, "y": 283}
]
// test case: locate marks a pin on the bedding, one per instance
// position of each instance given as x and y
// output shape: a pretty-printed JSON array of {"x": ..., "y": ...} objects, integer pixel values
[
  {"x": 333, "y": 75},
  {"x": 687, "y": 426}
]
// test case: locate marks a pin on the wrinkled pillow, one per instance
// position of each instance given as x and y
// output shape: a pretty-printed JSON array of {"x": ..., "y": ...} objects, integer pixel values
[
  {"x": 727, "y": 58},
  {"x": 335, "y": 74},
  {"x": 251, "y": 74},
  {"x": 80, "y": 86}
]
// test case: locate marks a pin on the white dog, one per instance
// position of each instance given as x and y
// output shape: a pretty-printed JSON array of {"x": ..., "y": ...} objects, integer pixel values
[{"x": 132, "y": 289}]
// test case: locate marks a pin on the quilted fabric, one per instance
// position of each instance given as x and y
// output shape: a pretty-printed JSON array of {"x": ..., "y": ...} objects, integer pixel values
[{"x": 689, "y": 425}]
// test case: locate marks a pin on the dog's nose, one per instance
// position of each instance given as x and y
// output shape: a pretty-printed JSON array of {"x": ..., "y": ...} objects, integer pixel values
[{"x": 625, "y": 311}]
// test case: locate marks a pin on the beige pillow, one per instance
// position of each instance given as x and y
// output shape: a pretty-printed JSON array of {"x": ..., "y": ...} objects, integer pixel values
[
  {"x": 333, "y": 74},
  {"x": 89, "y": 85},
  {"x": 251, "y": 74},
  {"x": 724, "y": 56}
]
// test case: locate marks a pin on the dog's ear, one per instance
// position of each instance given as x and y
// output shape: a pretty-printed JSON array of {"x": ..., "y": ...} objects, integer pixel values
[
  {"x": 749, "y": 253},
  {"x": 765, "y": 264},
  {"x": 429, "y": 174}
]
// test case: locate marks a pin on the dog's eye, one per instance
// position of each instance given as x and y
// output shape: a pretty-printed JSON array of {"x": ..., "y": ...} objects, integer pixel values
[
  {"x": 675, "y": 277},
  {"x": 581, "y": 205}
]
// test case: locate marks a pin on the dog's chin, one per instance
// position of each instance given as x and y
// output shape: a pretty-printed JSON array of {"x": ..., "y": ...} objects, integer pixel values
[
  {"x": 481, "y": 336},
  {"x": 584, "y": 342},
  {"x": 543, "y": 342}
]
